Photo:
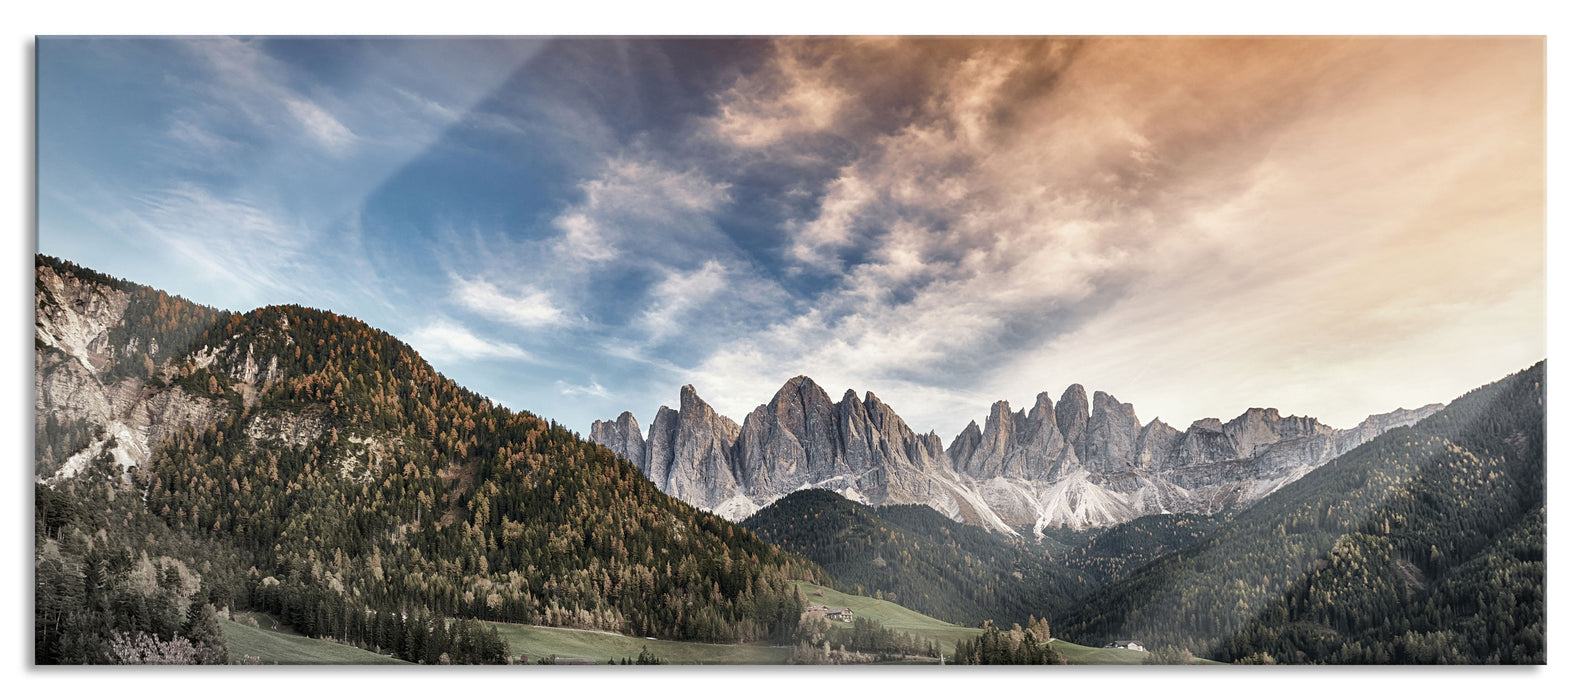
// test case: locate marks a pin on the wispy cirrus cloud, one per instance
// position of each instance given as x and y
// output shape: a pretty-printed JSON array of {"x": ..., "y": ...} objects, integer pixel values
[
  {"x": 244, "y": 249},
  {"x": 256, "y": 86},
  {"x": 638, "y": 210},
  {"x": 528, "y": 308},
  {"x": 797, "y": 92},
  {"x": 679, "y": 292},
  {"x": 445, "y": 340},
  {"x": 592, "y": 389},
  {"x": 322, "y": 125}
]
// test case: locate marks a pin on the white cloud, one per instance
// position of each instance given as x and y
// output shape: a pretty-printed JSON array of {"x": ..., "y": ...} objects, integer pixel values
[
  {"x": 679, "y": 293},
  {"x": 794, "y": 94},
  {"x": 593, "y": 389},
  {"x": 254, "y": 87},
  {"x": 640, "y": 210},
  {"x": 197, "y": 137},
  {"x": 529, "y": 308},
  {"x": 322, "y": 125},
  {"x": 242, "y": 247},
  {"x": 445, "y": 340}
]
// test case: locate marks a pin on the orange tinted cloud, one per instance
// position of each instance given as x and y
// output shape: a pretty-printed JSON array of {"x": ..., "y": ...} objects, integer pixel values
[{"x": 1303, "y": 223}]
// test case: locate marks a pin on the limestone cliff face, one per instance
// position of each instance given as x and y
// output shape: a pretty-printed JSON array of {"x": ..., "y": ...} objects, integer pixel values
[
  {"x": 689, "y": 451},
  {"x": 127, "y": 417},
  {"x": 624, "y": 436},
  {"x": 800, "y": 439},
  {"x": 793, "y": 440},
  {"x": 1016, "y": 445},
  {"x": 1062, "y": 463},
  {"x": 1110, "y": 446}
]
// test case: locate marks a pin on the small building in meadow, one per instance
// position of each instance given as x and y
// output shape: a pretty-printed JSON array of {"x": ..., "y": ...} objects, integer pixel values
[
  {"x": 575, "y": 662},
  {"x": 843, "y": 614},
  {"x": 1132, "y": 644}
]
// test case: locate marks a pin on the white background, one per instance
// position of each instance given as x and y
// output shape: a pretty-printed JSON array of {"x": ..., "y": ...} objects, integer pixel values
[{"x": 690, "y": 17}]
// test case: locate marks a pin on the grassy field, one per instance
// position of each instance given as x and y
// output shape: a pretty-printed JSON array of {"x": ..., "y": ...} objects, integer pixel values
[
  {"x": 908, "y": 620},
  {"x": 890, "y": 615},
  {"x": 1078, "y": 654},
  {"x": 539, "y": 642},
  {"x": 273, "y": 647}
]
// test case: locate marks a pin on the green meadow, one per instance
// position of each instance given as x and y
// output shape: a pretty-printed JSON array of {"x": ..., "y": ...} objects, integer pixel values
[
  {"x": 539, "y": 642},
  {"x": 272, "y": 647}
]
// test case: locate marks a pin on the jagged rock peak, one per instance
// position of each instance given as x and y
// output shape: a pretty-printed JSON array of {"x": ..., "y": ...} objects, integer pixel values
[
  {"x": 1043, "y": 408},
  {"x": 624, "y": 436},
  {"x": 1069, "y": 461},
  {"x": 800, "y": 386},
  {"x": 1112, "y": 435},
  {"x": 1071, "y": 414},
  {"x": 1001, "y": 410}
]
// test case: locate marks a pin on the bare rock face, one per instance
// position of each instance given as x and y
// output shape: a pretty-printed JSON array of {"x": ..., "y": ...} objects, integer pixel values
[
  {"x": 1072, "y": 414},
  {"x": 800, "y": 439},
  {"x": 660, "y": 452},
  {"x": 1376, "y": 425},
  {"x": 790, "y": 441},
  {"x": 689, "y": 454},
  {"x": 75, "y": 317},
  {"x": 1062, "y": 463},
  {"x": 295, "y": 429},
  {"x": 1205, "y": 442},
  {"x": 966, "y": 444},
  {"x": 624, "y": 436},
  {"x": 1260, "y": 427},
  {"x": 1016, "y": 445},
  {"x": 1111, "y": 441},
  {"x": 1156, "y": 444},
  {"x": 129, "y": 416}
]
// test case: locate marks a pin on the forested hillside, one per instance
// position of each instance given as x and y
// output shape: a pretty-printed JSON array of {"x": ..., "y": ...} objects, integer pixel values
[
  {"x": 353, "y": 491},
  {"x": 912, "y": 555},
  {"x": 1425, "y": 545}
]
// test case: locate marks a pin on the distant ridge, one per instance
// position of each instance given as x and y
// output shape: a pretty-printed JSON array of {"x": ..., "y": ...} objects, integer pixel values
[{"x": 1065, "y": 463}]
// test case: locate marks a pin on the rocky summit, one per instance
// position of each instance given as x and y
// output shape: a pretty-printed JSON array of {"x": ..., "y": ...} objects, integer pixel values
[{"x": 1067, "y": 463}]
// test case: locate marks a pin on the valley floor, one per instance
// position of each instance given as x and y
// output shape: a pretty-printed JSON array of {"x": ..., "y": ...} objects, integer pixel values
[
  {"x": 274, "y": 647},
  {"x": 271, "y": 646}
]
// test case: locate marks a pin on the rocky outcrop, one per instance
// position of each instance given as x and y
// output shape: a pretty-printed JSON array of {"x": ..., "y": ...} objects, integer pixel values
[
  {"x": 1062, "y": 463},
  {"x": 622, "y": 435},
  {"x": 1376, "y": 425},
  {"x": 75, "y": 317},
  {"x": 1111, "y": 442},
  {"x": 129, "y": 416},
  {"x": 690, "y": 454}
]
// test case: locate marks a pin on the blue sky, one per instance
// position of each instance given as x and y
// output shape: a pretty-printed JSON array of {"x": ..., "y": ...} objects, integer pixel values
[{"x": 577, "y": 227}]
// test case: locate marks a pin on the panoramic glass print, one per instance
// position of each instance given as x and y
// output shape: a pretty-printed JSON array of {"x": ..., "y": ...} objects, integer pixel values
[{"x": 843, "y": 350}]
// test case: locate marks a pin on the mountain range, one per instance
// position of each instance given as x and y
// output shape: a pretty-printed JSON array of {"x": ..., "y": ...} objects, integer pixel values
[{"x": 1066, "y": 463}]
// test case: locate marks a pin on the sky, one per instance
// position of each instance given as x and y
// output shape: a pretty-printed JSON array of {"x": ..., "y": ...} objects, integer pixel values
[{"x": 577, "y": 227}]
